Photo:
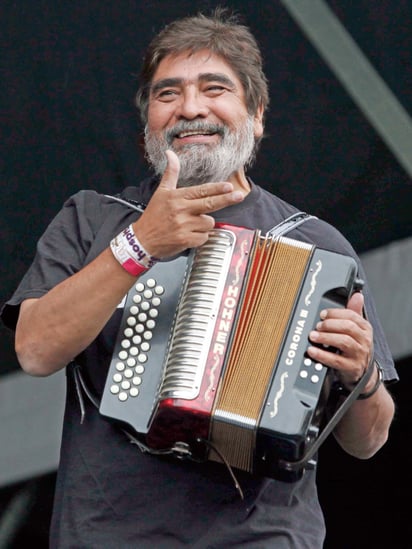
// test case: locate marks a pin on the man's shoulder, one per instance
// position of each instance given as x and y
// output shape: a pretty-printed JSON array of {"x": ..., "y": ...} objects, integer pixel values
[{"x": 315, "y": 230}]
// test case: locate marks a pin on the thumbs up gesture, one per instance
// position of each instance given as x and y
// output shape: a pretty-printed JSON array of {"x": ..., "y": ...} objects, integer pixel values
[{"x": 177, "y": 218}]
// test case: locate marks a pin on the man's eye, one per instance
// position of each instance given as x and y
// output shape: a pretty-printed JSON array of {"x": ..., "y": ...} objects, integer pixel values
[
  {"x": 166, "y": 94},
  {"x": 215, "y": 87}
]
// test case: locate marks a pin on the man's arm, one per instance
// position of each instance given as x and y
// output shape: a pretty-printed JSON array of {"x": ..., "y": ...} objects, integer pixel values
[
  {"x": 365, "y": 427},
  {"x": 53, "y": 329}
]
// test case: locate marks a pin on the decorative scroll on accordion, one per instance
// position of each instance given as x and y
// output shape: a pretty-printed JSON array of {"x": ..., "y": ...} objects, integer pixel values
[{"x": 210, "y": 359}]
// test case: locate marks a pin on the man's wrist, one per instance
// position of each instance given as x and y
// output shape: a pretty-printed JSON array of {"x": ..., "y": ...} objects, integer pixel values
[
  {"x": 129, "y": 252},
  {"x": 377, "y": 377},
  {"x": 378, "y": 380}
]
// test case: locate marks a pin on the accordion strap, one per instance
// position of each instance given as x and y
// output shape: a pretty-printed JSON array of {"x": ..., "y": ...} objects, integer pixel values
[
  {"x": 138, "y": 206},
  {"x": 334, "y": 420},
  {"x": 280, "y": 229},
  {"x": 289, "y": 223}
]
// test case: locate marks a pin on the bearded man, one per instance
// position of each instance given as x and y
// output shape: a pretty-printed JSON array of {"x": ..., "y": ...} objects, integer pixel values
[{"x": 202, "y": 100}]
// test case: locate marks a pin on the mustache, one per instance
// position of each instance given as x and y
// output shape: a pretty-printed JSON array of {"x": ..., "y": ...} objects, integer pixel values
[{"x": 195, "y": 126}]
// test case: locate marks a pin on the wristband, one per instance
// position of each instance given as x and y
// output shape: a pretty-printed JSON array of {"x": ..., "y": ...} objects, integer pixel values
[
  {"x": 363, "y": 396},
  {"x": 130, "y": 253},
  {"x": 379, "y": 380}
]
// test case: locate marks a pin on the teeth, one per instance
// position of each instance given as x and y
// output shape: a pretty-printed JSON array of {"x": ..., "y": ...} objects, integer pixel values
[{"x": 194, "y": 132}]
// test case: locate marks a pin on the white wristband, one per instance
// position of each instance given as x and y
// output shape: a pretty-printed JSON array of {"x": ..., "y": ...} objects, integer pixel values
[{"x": 130, "y": 253}]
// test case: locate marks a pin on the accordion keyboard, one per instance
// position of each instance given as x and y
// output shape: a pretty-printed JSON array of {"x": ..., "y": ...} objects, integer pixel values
[{"x": 196, "y": 317}]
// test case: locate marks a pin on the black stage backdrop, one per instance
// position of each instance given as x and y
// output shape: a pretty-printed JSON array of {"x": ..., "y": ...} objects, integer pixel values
[{"x": 68, "y": 83}]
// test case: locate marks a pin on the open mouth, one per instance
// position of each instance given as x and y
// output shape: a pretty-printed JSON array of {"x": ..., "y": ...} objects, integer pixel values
[
  {"x": 191, "y": 133},
  {"x": 194, "y": 132}
]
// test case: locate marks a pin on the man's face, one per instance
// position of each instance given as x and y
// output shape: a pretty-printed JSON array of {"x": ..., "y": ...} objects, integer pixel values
[{"x": 197, "y": 108}]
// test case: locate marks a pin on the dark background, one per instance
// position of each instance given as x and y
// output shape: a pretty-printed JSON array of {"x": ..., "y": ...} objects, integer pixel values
[{"x": 68, "y": 83}]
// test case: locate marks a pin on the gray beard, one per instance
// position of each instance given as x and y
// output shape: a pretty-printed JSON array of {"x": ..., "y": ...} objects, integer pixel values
[{"x": 200, "y": 163}]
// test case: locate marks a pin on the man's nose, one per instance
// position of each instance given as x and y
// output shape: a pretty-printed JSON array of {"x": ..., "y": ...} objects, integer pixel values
[{"x": 192, "y": 105}]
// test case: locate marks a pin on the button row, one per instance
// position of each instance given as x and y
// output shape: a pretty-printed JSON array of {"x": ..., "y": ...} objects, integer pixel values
[{"x": 137, "y": 332}]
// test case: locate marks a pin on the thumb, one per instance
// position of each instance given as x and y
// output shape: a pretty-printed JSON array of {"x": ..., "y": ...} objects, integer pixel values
[
  {"x": 356, "y": 302},
  {"x": 171, "y": 174}
]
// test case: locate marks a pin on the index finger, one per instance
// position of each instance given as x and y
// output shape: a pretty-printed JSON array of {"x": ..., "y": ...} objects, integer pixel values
[{"x": 210, "y": 197}]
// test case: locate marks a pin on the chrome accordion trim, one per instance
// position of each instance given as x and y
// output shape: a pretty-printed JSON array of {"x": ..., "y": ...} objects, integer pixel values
[{"x": 196, "y": 316}]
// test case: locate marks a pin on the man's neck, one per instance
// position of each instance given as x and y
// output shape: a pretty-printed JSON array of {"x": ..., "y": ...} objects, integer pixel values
[{"x": 240, "y": 181}]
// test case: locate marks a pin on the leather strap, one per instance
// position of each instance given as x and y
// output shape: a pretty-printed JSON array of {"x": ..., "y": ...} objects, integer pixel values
[{"x": 289, "y": 223}]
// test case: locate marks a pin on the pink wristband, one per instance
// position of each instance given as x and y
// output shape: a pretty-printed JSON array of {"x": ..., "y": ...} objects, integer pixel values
[
  {"x": 135, "y": 249},
  {"x": 130, "y": 253},
  {"x": 133, "y": 268}
]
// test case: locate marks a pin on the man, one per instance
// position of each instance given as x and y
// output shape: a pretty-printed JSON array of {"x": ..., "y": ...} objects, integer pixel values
[{"x": 202, "y": 99}]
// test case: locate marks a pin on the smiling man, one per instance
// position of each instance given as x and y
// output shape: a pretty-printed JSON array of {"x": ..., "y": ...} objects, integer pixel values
[
  {"x": 201, "y": 115},
  {"x": 202, "y": 99}
]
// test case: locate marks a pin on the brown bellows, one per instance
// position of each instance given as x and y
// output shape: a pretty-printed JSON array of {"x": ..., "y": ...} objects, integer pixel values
[{"x": 278, "y": 268}]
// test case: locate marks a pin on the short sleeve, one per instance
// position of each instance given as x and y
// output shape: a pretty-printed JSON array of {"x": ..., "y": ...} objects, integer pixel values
[{"x": 61, "y": 251}]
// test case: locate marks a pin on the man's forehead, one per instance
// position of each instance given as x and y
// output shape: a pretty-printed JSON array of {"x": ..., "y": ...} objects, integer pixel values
[{"x": 189, "y": 65}]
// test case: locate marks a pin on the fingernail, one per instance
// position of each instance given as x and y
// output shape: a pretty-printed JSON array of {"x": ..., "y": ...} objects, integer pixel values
[
  {"x": 313, "y": 335},
  {"x": 237, "y": 196},
  {"x": 323, "y": 314}
]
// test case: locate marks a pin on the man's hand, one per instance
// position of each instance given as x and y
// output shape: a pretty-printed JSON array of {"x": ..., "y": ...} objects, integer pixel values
[
  {"x": 177, "y": 218},
  {"x": 349, "y": 332}
]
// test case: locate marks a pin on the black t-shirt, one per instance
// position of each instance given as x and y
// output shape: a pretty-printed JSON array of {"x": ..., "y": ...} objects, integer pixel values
[{"x": 111, "y": 495}]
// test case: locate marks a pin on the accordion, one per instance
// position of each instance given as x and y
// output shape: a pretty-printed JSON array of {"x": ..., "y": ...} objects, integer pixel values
[{"x": 210, "y": 360}]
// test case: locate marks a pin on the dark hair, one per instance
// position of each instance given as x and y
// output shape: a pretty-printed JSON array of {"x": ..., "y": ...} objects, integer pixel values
[{"x": 222, "y": 35}]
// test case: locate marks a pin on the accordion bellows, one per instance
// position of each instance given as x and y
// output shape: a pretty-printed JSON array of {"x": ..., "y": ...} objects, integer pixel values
[{"x": 211, "y": 352}]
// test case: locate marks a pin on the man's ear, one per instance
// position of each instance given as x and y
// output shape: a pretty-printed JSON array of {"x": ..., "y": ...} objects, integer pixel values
[{"x": 258, "y": 122}]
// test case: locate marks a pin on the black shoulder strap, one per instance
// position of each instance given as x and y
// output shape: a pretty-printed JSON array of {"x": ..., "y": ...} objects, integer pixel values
[
  {"x": 278, "y": 230},
  {"x": 289, "y": 223},
  {"x": 138, "y": 206}
]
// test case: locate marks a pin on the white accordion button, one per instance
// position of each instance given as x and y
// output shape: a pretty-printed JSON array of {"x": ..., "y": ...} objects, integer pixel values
[{"x": 125, "y": 344}]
